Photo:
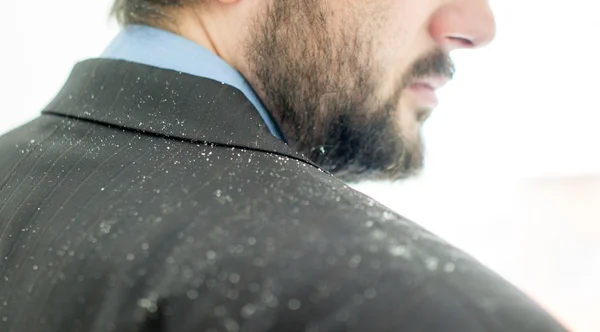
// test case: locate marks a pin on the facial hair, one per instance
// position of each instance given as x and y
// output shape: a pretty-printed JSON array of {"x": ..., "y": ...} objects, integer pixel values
[{"x": 321, "y": 88}]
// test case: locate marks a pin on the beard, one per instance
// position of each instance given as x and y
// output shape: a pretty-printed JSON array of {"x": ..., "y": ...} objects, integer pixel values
[{"x": 321, "y": 87}]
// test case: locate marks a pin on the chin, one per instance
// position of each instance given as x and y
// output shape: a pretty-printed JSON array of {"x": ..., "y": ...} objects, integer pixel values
[{"x": 422, "y": 114}]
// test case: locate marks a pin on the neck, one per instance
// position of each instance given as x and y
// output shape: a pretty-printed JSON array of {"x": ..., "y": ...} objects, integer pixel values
[{"x": 209, "y": 25}]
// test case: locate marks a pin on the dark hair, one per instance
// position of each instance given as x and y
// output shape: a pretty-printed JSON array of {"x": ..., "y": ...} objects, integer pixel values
[{"x": 148, "y": 12}]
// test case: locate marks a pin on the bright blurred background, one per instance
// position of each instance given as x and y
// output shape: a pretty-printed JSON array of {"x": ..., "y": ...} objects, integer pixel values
[{"x": 513, "y": 171}]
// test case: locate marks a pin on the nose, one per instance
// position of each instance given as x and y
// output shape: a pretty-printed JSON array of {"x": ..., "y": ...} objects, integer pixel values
[{"x": 461, "y": 24}]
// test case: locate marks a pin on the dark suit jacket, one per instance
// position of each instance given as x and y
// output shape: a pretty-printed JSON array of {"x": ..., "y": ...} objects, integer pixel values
[{"x": 144, "y": 199}]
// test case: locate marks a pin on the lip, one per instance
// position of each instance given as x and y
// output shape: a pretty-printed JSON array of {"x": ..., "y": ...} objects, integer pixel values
[
  {"x": 432, "y": 82},
  {"x": 424, "y": 89}
]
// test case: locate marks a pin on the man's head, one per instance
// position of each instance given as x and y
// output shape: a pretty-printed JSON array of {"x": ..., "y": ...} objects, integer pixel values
[{"x": 349, "y": 82}]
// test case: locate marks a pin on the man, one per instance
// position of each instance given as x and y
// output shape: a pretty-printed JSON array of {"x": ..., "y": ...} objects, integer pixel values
[{"x": 188, "y": 180}]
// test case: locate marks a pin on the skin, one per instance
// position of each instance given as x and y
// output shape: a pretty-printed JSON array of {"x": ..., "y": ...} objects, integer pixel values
[{"x": 338, "y": 76}]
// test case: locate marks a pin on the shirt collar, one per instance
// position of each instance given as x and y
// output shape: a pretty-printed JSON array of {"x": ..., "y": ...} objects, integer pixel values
[{"x": 159, "y": 48}]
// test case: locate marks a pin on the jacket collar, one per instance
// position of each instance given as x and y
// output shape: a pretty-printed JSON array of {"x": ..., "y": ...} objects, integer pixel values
[
  {"x": 165, "y": 103},
  {"x": 163, "y": 49}
]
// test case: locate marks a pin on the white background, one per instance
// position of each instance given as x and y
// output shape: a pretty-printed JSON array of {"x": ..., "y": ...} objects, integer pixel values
[{"x": 513, "y": 152}]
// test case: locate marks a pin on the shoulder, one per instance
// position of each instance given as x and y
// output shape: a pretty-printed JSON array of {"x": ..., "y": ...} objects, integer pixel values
[
  {"x": 214, "y": 237},
  {"x": 270, "y": 241}
]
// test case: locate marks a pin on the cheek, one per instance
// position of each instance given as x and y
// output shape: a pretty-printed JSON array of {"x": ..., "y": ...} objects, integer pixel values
[
  {"x": 391, "y": 57},
  {"x": 400, "y": 34}
]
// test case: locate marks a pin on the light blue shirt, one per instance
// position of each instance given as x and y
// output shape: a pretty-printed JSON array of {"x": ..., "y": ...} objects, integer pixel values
[{"x": 163, "y": 49}]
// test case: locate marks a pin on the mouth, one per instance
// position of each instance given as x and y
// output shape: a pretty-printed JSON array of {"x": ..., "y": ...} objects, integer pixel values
[{"x": 424, "y": 91}]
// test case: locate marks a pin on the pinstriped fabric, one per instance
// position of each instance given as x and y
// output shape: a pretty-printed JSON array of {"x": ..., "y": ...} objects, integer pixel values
[{"x": 163, "y": 204}]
